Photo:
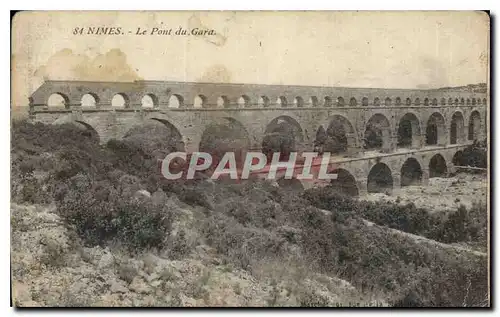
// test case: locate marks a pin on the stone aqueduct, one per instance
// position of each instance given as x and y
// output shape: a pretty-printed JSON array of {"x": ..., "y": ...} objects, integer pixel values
[{"x": 441, "y": 122}]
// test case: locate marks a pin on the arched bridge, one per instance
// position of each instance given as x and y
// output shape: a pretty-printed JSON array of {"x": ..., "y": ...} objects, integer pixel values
[{"x": 382, "y": 131}]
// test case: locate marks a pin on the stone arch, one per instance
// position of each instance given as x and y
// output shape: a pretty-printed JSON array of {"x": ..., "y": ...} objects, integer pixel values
[
  {"x": 353, "y": 102},
  {"x": 313, "y": 101},
  {"x": 474, "y": 126},
  {"x": 88, "y": 130},
  {"x": 408, "y": 101},
  {"x": 340, "y": 102},
  {"x": 263, "y": 102},
  {"x": 376, "y": 102},
  {"x": 345, "y": 183},
  {"x": 484, "y": 101},
  {"x": 298, "y": 102},
  {"x": 435, "y": 131},
  {"x": 282, "y": 102},
  {"x": 450, "y": 101},
  {"x": 426, "y": 101},
  {"x": 168, "y": 122},
  {"x": 327, "y": 102},
  {"x": 462, "y": 101},
  {"x": 162, "y": 134},
  {"x": 457, "y": 158},
  {"x": 120, "y": 100},
  {"x": 90, "y": 100},
  {"x": 283, "y": 134},
  {"x": 468, "y": 102},
  {"x": 364, "y": 102},
  {"x": 411, "y": 172},
  {"x": 380, "y": 179},
  {"x": 434, "y": 102},
  {"x": 409, "y": 132},
  {"x": 149, "y": 101},
  {"x": 339, "y": 137},
  {"x": 176, "y": 101},
  {"x": 473, "y": 101},
  {"x": 398, "y": 101},
  {"x": 244, "y": 101},
  {"x": 377, "y": 132},
  {"x": 456, "y": 101},
  {"x": 58, "y": 99},
  {"x": 437, "y": 166},
  {"x": 387, "y": 102},
  {"x": 200, "y": 101},
  {"x": 223, "y": 102},
  {"x": 417, "y": 102},
  {"x": 457, "y": 128},
  {"x": 225, "y": 135},
  {"x": 443, "y": 101}
]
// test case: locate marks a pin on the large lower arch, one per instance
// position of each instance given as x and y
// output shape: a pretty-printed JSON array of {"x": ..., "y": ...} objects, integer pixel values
[
  {"x": 437, "y": 166},
  {"x": 380, "y": 179},
  {"x": 457, "y": 128},
  {"x": 409, "y": 133},
  {"x": 435, "y": 132},
  {"x": 87, "y": 129},
  {"x": 156, "y": 136},
  {"x": 345, "y": 183},
  {"x": 458, "y": 158},
  {"x": 377, "y": 132},
  {"x": 338, "y": 137},
  {"x": 411, "y": 173},
  {"x": 474, "y": 126},
  {"x": 283, "y": 134},
  {"x": 225, "y": 135}
]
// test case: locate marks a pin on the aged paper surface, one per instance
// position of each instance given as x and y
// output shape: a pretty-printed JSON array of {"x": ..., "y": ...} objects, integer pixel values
[{"x": 250, "y": 158}]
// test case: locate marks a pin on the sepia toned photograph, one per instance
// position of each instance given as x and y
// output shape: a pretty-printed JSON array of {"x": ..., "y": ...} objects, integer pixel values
[{"x": 250, "y": 159}]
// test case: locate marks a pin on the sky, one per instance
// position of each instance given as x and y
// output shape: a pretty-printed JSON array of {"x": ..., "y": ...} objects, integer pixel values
[{"x": 351, "y": 49}]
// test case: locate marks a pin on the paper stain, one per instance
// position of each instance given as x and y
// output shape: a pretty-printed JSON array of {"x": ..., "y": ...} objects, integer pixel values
[
  {"x": 217, "y": 73},
  {"x": 67, "y": 65}
]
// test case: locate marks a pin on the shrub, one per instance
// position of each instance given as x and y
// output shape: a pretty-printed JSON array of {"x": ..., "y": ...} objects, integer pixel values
[
  {"x": 99, "y": 215},
  {"x": 461, "y": 225},
  {"x": 241, "y": 244}
]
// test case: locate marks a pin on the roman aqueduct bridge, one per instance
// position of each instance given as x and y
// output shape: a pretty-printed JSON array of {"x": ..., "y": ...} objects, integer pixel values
[{"x": 420, "y": 130}]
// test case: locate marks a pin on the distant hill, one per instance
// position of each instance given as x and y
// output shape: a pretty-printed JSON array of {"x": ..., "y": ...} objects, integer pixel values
[{"x": 478, "y": 88}]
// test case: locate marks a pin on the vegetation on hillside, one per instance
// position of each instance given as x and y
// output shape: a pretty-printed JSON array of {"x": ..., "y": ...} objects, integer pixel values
[{"x": 113, "y": 194}]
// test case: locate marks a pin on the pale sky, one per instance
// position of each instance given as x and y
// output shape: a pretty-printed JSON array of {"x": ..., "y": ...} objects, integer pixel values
[{"x": 351, "y": 49}]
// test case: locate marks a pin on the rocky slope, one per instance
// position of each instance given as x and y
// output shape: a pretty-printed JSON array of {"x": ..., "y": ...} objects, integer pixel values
[
  {"x": 50, "y": 267},
  {"x": 440, "y": 193}
]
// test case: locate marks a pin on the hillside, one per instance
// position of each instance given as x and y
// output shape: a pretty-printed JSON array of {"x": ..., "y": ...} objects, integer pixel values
[{"x": 96, "y": 226}]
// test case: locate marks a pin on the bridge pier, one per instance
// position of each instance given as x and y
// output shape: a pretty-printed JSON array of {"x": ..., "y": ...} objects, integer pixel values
[
  {"x": 362, "y": 184},
  {"x": 353, "y": 147},
  {"x": 396, "y": 181},
  {"x": 425, "y": 176},
  {"x": 417, "y": 141}
]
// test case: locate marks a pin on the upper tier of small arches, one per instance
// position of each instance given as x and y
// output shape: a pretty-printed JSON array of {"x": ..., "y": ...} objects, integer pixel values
[{"x": 150, "y": 100}]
